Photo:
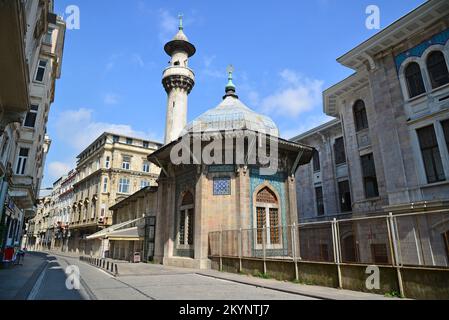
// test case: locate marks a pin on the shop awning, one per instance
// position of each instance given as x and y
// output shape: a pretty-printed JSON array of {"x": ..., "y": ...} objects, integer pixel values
[
  {"x": 117, "y": 227},
  {"x": 130, "y": 234}
]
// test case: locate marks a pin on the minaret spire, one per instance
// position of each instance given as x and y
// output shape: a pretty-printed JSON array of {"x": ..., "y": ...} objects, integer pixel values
[
  {"x": 180, "y": 17},
  {"x": 178, "y": 80}
]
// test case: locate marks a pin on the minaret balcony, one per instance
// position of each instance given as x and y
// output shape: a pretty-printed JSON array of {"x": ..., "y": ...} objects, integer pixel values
[
  {"x": 178, "y": 77},
  {"x": 179, "y": 71}
]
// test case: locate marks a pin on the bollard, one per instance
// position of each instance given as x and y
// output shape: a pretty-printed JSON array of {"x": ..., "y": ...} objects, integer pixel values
[
  {"x": 107, "y": 265},
  {"x": 116, "y": 270}
]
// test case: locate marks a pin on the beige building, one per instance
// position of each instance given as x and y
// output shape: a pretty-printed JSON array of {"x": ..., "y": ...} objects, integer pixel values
[
  {"x": 108, "y": 171},
  {"x": 134, "y": 223},
  {"x": 38, "y": 229},
  {"x": 52, "y": 220},
  {"x": 32, "y": 42}
]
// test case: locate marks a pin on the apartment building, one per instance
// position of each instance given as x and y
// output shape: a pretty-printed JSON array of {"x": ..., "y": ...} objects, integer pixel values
[
  {"x": 108, "y": 171},
  {"x": 32, "y": 42}
]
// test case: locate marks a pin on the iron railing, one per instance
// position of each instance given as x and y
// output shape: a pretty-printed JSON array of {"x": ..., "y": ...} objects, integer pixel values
[{"x": 414, "y": 239}]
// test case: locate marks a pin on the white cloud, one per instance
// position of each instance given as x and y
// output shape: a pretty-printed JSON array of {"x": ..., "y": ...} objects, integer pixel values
[
  {"x": 209, "y": 69},
  {"x": 208, "y": 60},
  {"x": 111, "y": 99},
  {"x": 297, "y": 95},
  {"x": 112, "y": 61},
  {"x": 78, "y": 129},
  {"x": 168, "y": 24},
  {"x": 137, "y": 59},
  {"x": 57, "y": 169}
]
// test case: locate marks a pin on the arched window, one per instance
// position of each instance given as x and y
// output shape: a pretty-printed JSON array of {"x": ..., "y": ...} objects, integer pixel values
[
  {"x": 437, "y": 68},
  {"x": 415, "y": 83},
  {"x": 186, "y": 220},
  {"x": 267, "y": 210},
  {"x": 361, "y": 121}
]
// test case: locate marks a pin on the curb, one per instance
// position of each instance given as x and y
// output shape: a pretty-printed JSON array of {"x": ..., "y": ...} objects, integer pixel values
[
  {"x": 248, "y": 283},
  {"x": 25, "y": 291}
]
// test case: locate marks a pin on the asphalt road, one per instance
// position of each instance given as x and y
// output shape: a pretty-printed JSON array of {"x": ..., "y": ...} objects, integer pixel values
[{"x": 95, "y": 284}]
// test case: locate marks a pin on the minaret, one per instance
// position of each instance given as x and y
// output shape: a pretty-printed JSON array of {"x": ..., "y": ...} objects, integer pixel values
[{"x": 178, "y": 80}]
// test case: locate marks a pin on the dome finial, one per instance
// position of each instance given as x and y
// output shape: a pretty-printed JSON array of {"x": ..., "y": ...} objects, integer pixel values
[
  {"x": 230, "y": 87},
  {"x": 180, "y": 17},
  {"x": 230, "y": 71}
]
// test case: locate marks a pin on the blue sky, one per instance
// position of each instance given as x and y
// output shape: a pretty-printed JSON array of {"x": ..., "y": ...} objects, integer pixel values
[{"x": 283, "y": 52}]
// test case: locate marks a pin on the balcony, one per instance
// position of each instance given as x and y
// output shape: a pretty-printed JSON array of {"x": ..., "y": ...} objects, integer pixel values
[
  {"x": 178, "y": 70},
  {"x": 23, "y": 193},
  {"x": 14, "y": 93}
]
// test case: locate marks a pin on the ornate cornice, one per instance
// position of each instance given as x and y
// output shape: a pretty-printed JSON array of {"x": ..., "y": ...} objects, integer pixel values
[{"x": 178, "y": 82}]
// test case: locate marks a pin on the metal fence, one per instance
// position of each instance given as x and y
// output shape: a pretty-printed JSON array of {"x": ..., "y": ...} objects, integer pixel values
[{"x": 415, "y": 239}]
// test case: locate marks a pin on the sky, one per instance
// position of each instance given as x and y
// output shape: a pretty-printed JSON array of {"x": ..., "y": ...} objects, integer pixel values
[{"x": 284, "y": 54}]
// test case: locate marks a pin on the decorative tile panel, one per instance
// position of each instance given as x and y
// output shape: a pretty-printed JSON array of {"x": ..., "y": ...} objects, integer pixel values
[
  {"x": 418, "y": 50},
  {"x": 222, "y": 186}
]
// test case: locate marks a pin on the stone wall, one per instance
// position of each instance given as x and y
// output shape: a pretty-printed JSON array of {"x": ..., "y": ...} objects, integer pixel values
[{"x": 418, "y": 283}]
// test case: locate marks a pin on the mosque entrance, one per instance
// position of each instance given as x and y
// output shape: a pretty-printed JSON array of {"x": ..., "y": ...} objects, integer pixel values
[{"x": 186, "y": 226}]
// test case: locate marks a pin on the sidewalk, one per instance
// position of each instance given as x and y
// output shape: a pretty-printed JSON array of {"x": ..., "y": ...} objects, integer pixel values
[{"x": 17, "y": 281}]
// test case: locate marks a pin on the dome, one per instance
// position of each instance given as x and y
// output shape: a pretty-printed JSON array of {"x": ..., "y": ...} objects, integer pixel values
[
  {"x": 181, "y": 36},
  {"x": 232, "y": 114}
]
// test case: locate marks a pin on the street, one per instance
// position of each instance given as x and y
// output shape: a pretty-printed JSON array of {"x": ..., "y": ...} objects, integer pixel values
[{"x": 96, "y": 284}]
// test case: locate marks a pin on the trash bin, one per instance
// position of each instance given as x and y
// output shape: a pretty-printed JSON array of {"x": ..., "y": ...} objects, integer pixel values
[{"x": 137, "y": 258}]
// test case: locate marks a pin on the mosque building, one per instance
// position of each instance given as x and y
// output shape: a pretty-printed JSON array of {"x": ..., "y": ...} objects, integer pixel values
[{"x": 233, "y": 189}]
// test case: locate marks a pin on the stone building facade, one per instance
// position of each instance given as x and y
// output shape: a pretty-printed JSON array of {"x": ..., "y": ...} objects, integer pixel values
[
  {"x": 109, "y": 170},
  {"x": 58, "y": 206},
  {"x": 393, "y": 114},
  {"x": 323, "y": 188},
  {"x": 39, "y": 237},
  {"x": 32, "y": 37}
]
